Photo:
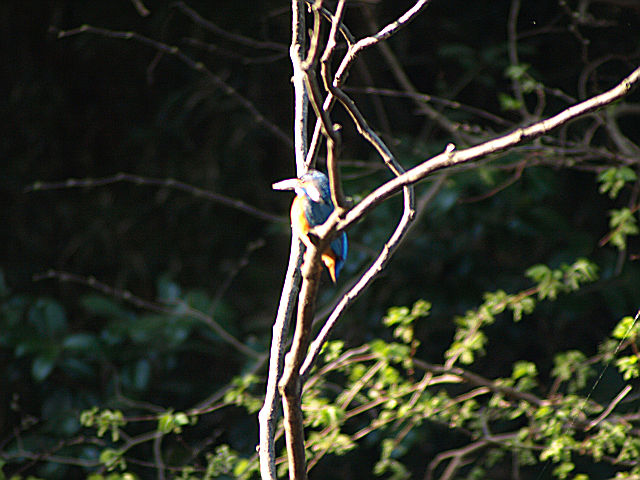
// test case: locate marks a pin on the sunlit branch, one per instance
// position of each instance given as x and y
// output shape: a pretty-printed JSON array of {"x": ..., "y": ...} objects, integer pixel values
[
  {"x": 268, "y": 415},
  {"x": 352, "y": 54},
  {"x": 451, "y": 157},
  {"x": 363, "y": 282},
  {"x": 612, "y": 405},
  {"x": 405, "y": 83},
  {"x": 448, "y": 158}
]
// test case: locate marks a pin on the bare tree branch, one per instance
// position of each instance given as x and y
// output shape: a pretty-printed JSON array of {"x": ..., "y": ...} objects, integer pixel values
[
  {"x": 239, "y": 39},
  {"x": 607, "y": 411},
  {"x": 126, "y": 295},
  {"x": 403, "y": 80},
  {"x": 512, "y": 44},
  {"x": 290, "y": 385},
  {"x": 448, "y": 158},
  {"x": 363, "y": 282},
  {"x": 422, "y": 98},
  {"x": 458, "y": 456},
  {"x": 190, "y": 62},
  {"x": 161, "y": 182},
  {"x": 268, "y": 414},
  {"x": 451, "y": 157},
  {"x": 142, "y": 10},
  {"x": 352, "y": 54}
]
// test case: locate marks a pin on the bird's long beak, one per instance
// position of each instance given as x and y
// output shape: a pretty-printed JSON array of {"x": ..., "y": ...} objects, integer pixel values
[{"x": 288, "y": 184}]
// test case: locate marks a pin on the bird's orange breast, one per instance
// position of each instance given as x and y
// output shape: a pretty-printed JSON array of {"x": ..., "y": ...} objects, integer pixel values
[{"x": 300, "y": 225}]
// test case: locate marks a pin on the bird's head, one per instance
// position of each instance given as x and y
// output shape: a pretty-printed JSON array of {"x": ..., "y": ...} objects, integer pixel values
[{"x": 314, "y": 185}]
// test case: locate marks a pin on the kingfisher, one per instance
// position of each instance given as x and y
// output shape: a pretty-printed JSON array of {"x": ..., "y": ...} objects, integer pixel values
[{"x": 312, "y": 206}]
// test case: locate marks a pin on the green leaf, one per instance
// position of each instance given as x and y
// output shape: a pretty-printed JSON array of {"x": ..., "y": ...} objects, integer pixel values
[
  {"x": 517, "y": 72},
  {"x": 549, "y": 281},
  {"x": 112, "y": 459},
  {"x": 170, "y": 422},
  {"x": 332, "y": 350},
  {"x": 562, "y": 470},
  {"x": 48, "y": 317},
  {"x": 507, "y": 102},
  {"x": 168, "y": 290},
  {"x": 572, "y": 367},
  {"x": 623, "y": 223},
  {"x": 613, "y": 179},
  {"x": 628, "y": 327},
  {"x": 80, "y": 341},
  {"x": 222, "y": 462},
  {"x": 628, "y": 367},
  {"x": 524, "y": 369},
  {"x": 520, "y": 307},
  {"x": 104, "y": 307},
  {"x": 43, "y": 365},
  {"x": 581, "y": 271}
]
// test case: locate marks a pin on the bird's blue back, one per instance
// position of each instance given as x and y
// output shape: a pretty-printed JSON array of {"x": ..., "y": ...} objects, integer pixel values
[{"x": 317, "y": 212}]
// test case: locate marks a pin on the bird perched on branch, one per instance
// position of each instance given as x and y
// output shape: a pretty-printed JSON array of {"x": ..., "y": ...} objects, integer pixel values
[{"x": 312, "y": 206}]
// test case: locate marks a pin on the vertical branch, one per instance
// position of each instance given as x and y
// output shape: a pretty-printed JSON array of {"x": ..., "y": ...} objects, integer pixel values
[
  {"x": 268, "y": 415},
  {"x": 512, "y": 27},
  {"x": 301, "y": 100},
  {"x": 290, "y": 385},
  {"x": 333, "y": 141}
]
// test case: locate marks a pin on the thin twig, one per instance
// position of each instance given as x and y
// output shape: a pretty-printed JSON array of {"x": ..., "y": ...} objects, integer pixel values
[
  {"x": 160, "y": 182},
  {"x": 352, "y": 54},
  {"x": 512, "y": 32},
  {"x": 234, "y": 37},
  {"x": 187, "y": 60},
  {"x": 334, "y": 138},
  {"x": 142, "y": 10},
  {"x": 346, "y": 33},
  {"x": 450, "y": 158},
  {"x": 403, "y": 80},
  {"x": 181, "y": 309},
  {"x": 519, "y": 169},
  {"x": 480, "y": 381},
  {"x": 365, "y": 281},
  {"x": 607, "y": 411},
  {"x": 234, "y": 54},
  {"x": 458, "y": 455},
  {"x": 394, "y": 241},
  {"x": 423, "y": 97}
]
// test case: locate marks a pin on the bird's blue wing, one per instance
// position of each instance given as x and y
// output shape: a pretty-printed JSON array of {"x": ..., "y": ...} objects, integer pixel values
[
  {"x": 317, "y": 213},
  {"x": 340, "y": 247}
]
